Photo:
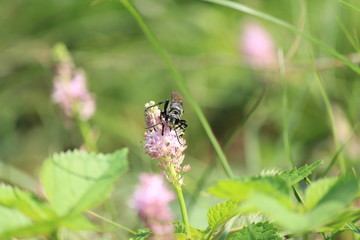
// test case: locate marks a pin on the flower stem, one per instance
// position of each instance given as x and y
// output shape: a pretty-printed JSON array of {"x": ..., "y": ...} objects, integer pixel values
[
  {"x": 112, "y": 222},
  {"x": 181, "y": 199},
  {"x": 87, "y": 135}
]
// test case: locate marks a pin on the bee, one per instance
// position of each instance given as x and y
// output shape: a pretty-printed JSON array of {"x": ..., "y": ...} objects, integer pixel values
[{"x": 172, "y": 112}]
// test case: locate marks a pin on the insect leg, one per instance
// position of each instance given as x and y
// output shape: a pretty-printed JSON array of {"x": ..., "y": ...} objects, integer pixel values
[
  {"x": 163, "y": 114},
  {"x": 177, "y": 137},
  {"x": 159, "y": 103}
]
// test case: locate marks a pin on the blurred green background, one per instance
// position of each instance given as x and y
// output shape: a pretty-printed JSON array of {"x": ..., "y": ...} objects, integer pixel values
[{"x": 125, "y": 72}]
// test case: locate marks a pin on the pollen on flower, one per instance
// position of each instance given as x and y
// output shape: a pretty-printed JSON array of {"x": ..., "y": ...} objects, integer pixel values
[{"x": 163, "y": 143}]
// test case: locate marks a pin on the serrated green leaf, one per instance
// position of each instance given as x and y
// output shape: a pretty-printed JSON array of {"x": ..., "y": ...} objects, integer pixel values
[
  {"x": 243, "y": 189},
  {"x": 334, "y": 201},
  {"x": 329, "y": 209},
  {"x": 221, "y": 212},
  {"x": 11, "y": 219},
  {"x": 297, "y": 174},
  {"x": 27, "y": 203},
  {"x": 274, "y": 209},
  {"x": 142, "y": 234},
  {"x": 21, "y": 214},
  {"x": 341, "y": 190},
  {"x": 257, "y": 231},
  {"x": 75, "y": 181},
  {"x": 316, "y": 191},
  {"x": 15, "y": 224},
  {"x": 196, "y": 234}
]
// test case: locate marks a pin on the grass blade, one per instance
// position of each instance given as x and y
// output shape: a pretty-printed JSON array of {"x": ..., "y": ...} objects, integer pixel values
[
  {"x": 242, "y": 8},
  {"x": 181, "y": 83},
  {"x": 349, "y": 5}
]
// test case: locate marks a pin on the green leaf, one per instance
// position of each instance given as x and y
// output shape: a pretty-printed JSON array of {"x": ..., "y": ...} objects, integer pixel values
[
  {"x": 21, "y": 214},
  {"x": 343, "y": 191},
  {"x": 27, "y": 203},
  {"x": 75, "y": 181},
  {"x": 221, "y": 212},
  {"x": 316, "y": 191},
  {"x": 334, "y": 202},
  {"x": 329, "y": 206},
  {"x": 180, "y": 232},
  {"x": 14, "y": 224},
  {"x": 274, "y": 209},
  {"x": 243, "y": 189},
  {"x": 79, "y": 222},
  {"x": 340, "y": 190},
  {"x": 297, "y": 174},
  {"x": 142, "y": 234},
  {"x": 257, "y": 231},
  {"x": 11, "y": 219}
]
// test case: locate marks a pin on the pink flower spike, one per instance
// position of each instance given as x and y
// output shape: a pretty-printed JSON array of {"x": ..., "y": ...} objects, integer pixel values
[
  {"x": 257, "y": 46},
  {"x": 164, "y": 144},
  {"x": 71, "y": 93},
  {"x": 151, "y": 200}
]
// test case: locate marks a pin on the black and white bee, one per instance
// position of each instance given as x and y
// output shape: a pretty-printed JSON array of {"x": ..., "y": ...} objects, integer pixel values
[{"x": 172, "y": 112}]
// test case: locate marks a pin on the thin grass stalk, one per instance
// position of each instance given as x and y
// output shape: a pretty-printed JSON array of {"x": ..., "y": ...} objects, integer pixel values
[
  {"x": 181, "y": 83},
  {"x": 243, "y": 8},
  {"x": 286, "y": 137},
  {"x": 112, "y": 222},
  {"x": 227, "y": 142},
  {"x": 349, "y": 5},
  {"x": 330, "y": 113}
]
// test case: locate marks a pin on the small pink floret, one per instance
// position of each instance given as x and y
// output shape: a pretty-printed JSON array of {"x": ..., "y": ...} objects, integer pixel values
[
  {"x": 151, "y": 200},
  {"x": 257, "y": 46},
  {"x": 71, "y": 93}
]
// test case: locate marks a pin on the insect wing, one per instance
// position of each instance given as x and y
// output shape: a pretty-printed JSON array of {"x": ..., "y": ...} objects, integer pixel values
[{"x": 176, "y": 97}]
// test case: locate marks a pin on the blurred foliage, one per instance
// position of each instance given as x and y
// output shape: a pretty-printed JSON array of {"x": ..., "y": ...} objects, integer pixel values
[{"x": 124, "y": 72}]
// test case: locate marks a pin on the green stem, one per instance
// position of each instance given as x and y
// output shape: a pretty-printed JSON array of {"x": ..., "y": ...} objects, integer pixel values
[
  {"x": 181, "y": 199},
  {"x": 111, "y": 222},
  {"x": 330, "y": 113},
  {"x": 230, "y": 138},
  {"x": 298, "y": 195},
  {"x": 225, "y": 144},
  {"x": 87, "y": 135},
  {"x": 325, "y": 237},
  {"x": 181, "y": 83},
  {"x": 264, "y": 16},
  {"x": 286, "y": 137}
]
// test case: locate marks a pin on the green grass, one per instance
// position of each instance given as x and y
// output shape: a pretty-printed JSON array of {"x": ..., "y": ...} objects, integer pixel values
[{"x": 241, "y": 120}]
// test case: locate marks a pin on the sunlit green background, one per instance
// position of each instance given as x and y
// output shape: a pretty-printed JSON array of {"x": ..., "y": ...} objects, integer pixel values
[{"x": 125, "y": 72}]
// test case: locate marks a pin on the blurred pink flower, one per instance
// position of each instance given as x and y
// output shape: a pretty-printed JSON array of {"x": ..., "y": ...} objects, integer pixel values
[
  {"x": 151, "y": 201},
  {"x": 71, "y": 93},
  {"x": 257, "y": 46},
  {"x": 168, "y": 148}
]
